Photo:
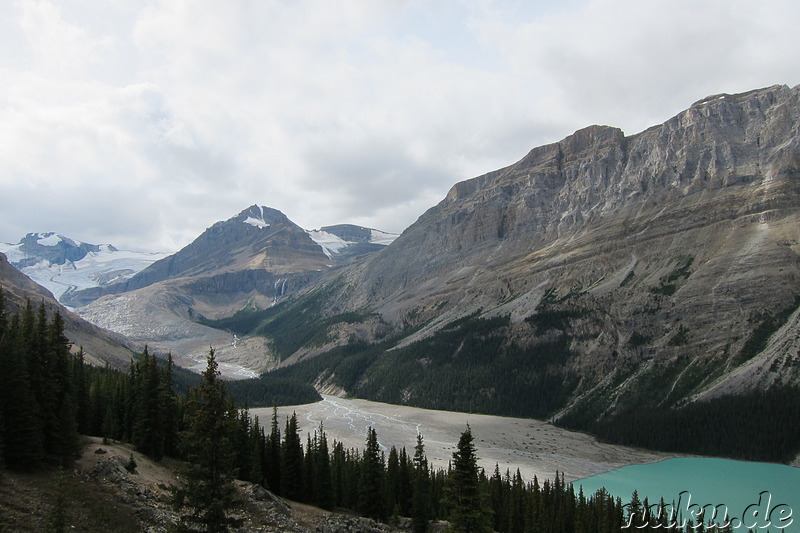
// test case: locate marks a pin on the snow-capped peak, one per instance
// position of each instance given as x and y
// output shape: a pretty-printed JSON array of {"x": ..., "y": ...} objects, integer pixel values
[{"x": 61, "y": 264}]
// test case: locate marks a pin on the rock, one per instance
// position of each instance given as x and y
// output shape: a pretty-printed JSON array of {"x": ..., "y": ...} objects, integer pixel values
[{"x": 338, "y": 523}]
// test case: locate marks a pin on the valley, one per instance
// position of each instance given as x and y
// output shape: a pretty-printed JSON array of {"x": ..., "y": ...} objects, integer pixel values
[{"x": 535, "y": 447}]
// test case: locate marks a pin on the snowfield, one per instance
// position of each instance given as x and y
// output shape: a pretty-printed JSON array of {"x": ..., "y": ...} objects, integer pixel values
[{"x": 104, "y": 267}]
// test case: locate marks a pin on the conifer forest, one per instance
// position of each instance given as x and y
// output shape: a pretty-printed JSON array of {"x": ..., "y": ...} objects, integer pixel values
[{"x": 52, "y": 397}]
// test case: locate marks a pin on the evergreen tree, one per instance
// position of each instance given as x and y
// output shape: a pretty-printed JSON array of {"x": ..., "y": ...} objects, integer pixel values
[
  {"x": 339, "y": 468},
  {"x": 421, "y": 505},
  {"x": 272, "y": 455},
  {"x": 292, "y": 462},
  {"x": 207, "y": 483},
  {"x": 372, "y": 499},
  {"x": 468, "y": 505},
  {"x": 256, "y": 444},
  {"x": 148, "y": 402},
  {"x": 61, "y": 438},
  {"x": 405, "y": 483},
  {"x": 169, "y": 409},
  {"x": 393, "y": 482},
  {"x": 516, "y": 505},
  {"x": 22, "y": 431},
  {"x": 322, "y": 467},
  {"x": 81, "y": 388}
]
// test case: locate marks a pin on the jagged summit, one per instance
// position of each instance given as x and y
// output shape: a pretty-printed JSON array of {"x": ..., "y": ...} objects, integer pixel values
[
  {"x": 51, "y": 247},
  {"x": 64, "y": 265}
]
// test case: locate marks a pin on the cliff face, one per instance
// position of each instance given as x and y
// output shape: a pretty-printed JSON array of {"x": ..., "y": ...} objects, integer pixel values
[
  {"x": 725, "y": 159},
  {"x": 676, "y": 242}
]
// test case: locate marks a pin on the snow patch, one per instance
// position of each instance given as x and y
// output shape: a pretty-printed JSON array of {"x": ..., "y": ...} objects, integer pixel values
[
  {"x": 333, "y": 245},
  {"x": 257, "y": 222},
  {"x": 380, "y": 237},
  {"x": 49, "y": 239},
  {"x": 330, "y": 243}
]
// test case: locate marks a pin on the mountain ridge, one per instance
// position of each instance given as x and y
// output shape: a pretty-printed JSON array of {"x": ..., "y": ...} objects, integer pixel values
[{"x": 650, "y": 267}]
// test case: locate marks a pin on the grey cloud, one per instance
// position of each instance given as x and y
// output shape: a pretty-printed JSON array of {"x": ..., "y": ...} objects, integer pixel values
[{"x": 172, "y": 116}]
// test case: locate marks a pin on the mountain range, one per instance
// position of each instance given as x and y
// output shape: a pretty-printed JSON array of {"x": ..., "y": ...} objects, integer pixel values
[{"x": 599, "y": 272}]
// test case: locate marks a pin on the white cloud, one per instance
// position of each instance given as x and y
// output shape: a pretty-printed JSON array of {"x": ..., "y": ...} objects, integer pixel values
[{"x": 143, "y": 124}]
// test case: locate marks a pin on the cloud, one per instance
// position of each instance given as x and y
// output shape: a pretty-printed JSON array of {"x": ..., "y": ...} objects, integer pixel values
[{"x": 143, "y": 124}]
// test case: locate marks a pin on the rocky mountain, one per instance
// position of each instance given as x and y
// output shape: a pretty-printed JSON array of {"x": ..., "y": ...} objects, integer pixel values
[
  {"x": 100, "y": 346},
  {"x": 63, "y": 265},
  {"x": 605, "y": 270},
  {"x": 251, "y": 261},
  {"x": 597, "y": 273}
]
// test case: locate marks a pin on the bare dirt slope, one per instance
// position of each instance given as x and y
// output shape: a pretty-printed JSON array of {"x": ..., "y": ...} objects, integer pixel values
[{"x": 98, "y": 494}]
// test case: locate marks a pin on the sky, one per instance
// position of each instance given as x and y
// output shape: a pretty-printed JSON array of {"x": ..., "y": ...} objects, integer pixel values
[{"x": 142, "y": 123}]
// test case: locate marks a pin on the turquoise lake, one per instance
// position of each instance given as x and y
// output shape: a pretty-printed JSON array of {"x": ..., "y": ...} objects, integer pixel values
[{"x": 763, "y": 496}]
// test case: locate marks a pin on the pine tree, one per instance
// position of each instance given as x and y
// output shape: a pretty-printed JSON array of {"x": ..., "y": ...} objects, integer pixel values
[
  {"x": 207, "y": 482},
  {"x": 371, "y": 499},
  {"x": 272, "y": 455},
  {"x": 469, "y": 509},
  {"x": 148, "y": 407},
  {"x": 170, "y": 410},
  {"x": 292, "y": 462},
  {"x": 81, "y": 387},
  {"x": 23, "y": 438},
  {"x": 324, "y": 492},
  {"x": 256, "y": 443},
  {"x": 393, "y": 482},
  {"x": 420, "y": 504},
  {"x": 61, "y": 439}
]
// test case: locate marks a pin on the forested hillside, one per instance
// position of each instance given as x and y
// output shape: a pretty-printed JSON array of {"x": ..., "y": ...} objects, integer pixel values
[{"x": 50, "y": 397}]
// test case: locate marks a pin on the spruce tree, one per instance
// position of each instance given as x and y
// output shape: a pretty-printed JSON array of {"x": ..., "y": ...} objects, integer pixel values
[
  {"x": 61, "y": 439},
  {"x": 469, "y": 509},
  {"x": 256, "y": 443},
  {"x": 170, "y": 409},
  {"x": 207, "y": 483},
  {"x": 23, "y": 437},
  {"x": 420, "y": 504},
  {"x": 324, "y": 492},
  {"x": 292, "y": 462},
  {"x": 81, "y": 387},
  {"x": 372, "y": 497},
  {"x": 272, "y": 455},
  {"x": 148, "y": 410}
]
